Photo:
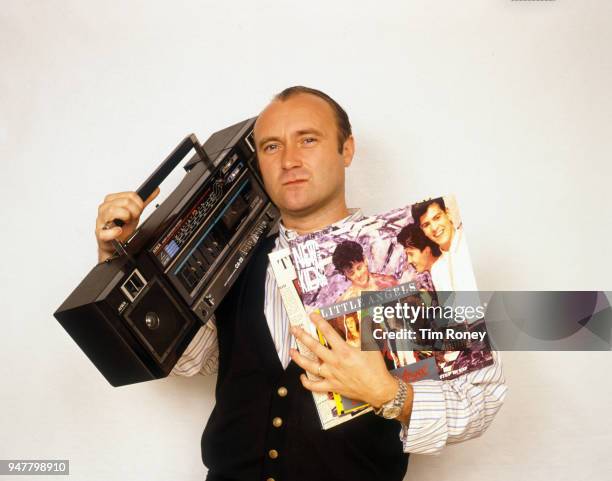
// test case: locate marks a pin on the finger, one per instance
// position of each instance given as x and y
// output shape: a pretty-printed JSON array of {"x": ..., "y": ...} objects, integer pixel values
[
  {"x": 330, "y": 334},
  {"x": 314, "y": 345},
  {"x": 115, "y": 212},
  {"x": 120, "y": 195},
  {"x": 307, "y": 364},
  {"x": 102, "y": 225},
  {"x": 154, "y": 194},
  {"x": 316, "y": 386},
  {"x": 128, "y": 203},
  {"x": 107, "y": 235}
]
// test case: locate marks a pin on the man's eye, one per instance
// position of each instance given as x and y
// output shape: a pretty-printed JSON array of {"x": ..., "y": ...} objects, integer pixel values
[
  {"x": 270, "y": 147},
  {"x": 309, "y": 140}
]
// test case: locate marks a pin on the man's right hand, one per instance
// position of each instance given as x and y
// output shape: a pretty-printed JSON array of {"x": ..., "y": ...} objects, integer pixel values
[{"x": 128, "y": 207}]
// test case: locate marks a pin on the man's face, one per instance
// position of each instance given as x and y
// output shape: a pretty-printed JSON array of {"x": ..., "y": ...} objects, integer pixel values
[
  {"x": 420, "y": 260},
  {"x": 297, "y": 149},
  {"x": 358, "y": 274},
  {"x": 437, "y": 225}
]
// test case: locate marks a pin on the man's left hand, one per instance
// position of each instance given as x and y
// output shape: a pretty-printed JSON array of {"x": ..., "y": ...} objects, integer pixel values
[{"x": 344, "y": 369}]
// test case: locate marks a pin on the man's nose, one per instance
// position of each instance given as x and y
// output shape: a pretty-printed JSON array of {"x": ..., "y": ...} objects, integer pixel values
[{"x": 291, "y": 157}]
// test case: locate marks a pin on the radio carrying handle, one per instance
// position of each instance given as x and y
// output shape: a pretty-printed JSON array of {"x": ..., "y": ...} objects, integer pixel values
[
  {"x": 168, "y": 165},
  {"x": 163, "y": 170}
]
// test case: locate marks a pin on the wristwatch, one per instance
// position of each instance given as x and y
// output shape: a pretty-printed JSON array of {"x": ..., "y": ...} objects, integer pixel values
[{"x": 392, "y": 409}]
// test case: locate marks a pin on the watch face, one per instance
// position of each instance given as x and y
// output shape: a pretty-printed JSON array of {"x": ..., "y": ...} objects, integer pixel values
[{"x": 392, "y": 412}]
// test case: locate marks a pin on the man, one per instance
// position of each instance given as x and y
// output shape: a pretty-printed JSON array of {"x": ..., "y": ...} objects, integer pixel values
[
  {"x": 264, "y": 424},
  {"x": 453, "y": 269},
  {"x": 421, "y": 253},
  {"x": 349, "y": 260}
]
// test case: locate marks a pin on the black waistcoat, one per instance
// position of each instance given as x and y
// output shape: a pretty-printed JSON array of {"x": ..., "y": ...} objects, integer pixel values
[{"x": 265, "y": 425}]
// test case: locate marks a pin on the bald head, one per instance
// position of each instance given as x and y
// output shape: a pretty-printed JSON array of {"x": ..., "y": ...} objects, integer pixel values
[{"x": 343, "y": 124}]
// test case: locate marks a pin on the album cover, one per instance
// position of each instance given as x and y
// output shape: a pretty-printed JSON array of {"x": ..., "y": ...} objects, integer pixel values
[{"x": 409, "y": 255}]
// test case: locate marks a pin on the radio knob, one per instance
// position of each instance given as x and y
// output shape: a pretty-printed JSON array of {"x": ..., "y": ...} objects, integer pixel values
[
  {"x": 152, "y": 320},
  {"x": 210, "y": 300}
]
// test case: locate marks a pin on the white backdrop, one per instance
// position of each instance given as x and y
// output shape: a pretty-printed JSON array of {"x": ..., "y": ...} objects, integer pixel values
[{"x": 505, "y": 103}]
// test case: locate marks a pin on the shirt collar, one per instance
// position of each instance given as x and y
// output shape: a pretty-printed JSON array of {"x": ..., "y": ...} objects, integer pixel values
[{"x": 285, "y": 235}]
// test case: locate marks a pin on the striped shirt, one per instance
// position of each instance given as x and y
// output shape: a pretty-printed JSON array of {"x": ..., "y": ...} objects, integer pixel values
[{"x": 443, "y": 412}]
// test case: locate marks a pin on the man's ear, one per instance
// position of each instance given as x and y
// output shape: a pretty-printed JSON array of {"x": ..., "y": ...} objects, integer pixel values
[{"x": 348, "y": 150}]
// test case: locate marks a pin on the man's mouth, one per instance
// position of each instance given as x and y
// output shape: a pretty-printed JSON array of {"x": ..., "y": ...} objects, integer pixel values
[
  {"x": 295, "y": 181},
  {"x": 439, "y": 233}
]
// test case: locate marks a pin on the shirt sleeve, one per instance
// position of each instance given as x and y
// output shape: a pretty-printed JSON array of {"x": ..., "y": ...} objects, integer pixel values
[
  {"x": 202, "y": 354},
  {"x": 446, "y": 412}
]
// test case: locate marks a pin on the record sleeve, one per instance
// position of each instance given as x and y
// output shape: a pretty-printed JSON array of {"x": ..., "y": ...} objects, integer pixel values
[{"x": 343, "y": 270}]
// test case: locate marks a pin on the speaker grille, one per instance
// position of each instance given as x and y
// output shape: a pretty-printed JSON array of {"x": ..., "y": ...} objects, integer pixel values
[{"x": 157, "y": 320}]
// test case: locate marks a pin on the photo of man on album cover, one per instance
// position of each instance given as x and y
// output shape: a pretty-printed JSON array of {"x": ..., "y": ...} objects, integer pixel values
[
  {"x": 349, "y": 259},
  {"x": 452, "y": 269}
]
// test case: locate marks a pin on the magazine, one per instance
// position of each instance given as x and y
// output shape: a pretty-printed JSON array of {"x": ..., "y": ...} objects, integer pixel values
[{"x": 346, "y": 271}]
